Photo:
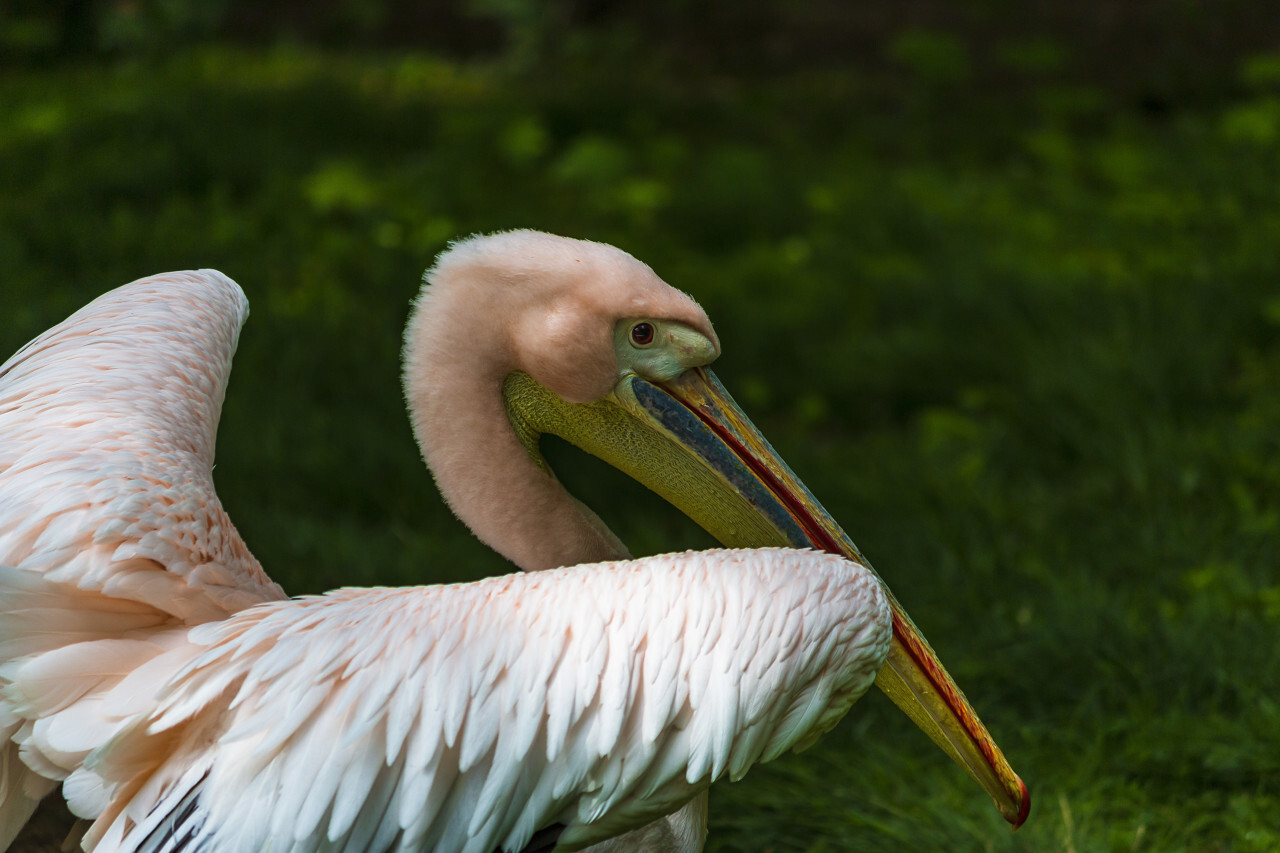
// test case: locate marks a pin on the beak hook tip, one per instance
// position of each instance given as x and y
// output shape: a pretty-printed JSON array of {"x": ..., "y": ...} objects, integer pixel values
[{"x": 1024, "y": 808}]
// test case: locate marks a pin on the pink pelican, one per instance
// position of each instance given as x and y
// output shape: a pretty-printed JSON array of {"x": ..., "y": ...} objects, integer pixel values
[{"x": 183, "y": 702}]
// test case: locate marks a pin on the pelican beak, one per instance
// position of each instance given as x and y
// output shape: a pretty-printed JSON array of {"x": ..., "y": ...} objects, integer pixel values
[{"x": 687, "y": 440}]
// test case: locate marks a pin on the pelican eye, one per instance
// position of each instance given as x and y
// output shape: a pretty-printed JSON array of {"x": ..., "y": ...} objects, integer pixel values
[{"x": 659, "y": 350}]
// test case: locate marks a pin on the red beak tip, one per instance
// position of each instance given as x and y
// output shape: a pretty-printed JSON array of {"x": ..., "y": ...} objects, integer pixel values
[{"x": 1024, "y": 809}]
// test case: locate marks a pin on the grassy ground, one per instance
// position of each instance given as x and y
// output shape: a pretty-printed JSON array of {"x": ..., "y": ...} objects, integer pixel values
[{"x": 1026, "y": 347}]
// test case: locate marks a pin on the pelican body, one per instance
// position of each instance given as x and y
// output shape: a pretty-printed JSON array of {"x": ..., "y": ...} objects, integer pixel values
[{"x": 182, "y": 701}]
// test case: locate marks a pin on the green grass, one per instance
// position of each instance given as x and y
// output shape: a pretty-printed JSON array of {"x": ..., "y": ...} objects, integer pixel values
[{"x": 1025, "y": 347}]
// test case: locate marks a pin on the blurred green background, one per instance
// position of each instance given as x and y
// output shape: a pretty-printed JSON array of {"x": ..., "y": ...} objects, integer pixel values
[{"x": 1001, "y": 280}]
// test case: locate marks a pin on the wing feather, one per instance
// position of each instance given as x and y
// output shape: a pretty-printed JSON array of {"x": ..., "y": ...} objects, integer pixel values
[
  {"x": 111, "y": 533},
  {"x": 570, "y": 725},
  {"x": 109, "y": 421}
]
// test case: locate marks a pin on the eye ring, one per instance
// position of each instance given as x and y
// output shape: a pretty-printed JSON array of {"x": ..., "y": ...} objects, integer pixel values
[{"x": 642, "y": 334}]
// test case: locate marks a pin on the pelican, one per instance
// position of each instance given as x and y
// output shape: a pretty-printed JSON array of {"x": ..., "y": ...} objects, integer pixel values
[{"x": 182, "y": 701}]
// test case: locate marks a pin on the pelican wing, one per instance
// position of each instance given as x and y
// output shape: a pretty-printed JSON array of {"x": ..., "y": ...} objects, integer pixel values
[
  {"x": 110, "y": 529},
  {"x": 107, "y": 427},
  {"x": 468, "y": 717}
]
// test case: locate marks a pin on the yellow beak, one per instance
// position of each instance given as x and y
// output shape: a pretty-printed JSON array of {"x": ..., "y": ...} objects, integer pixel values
[{"x": 687, "y": 440}]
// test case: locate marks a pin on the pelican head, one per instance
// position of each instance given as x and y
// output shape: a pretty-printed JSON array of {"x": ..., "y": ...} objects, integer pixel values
[{"x": 521, "y": 333}]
